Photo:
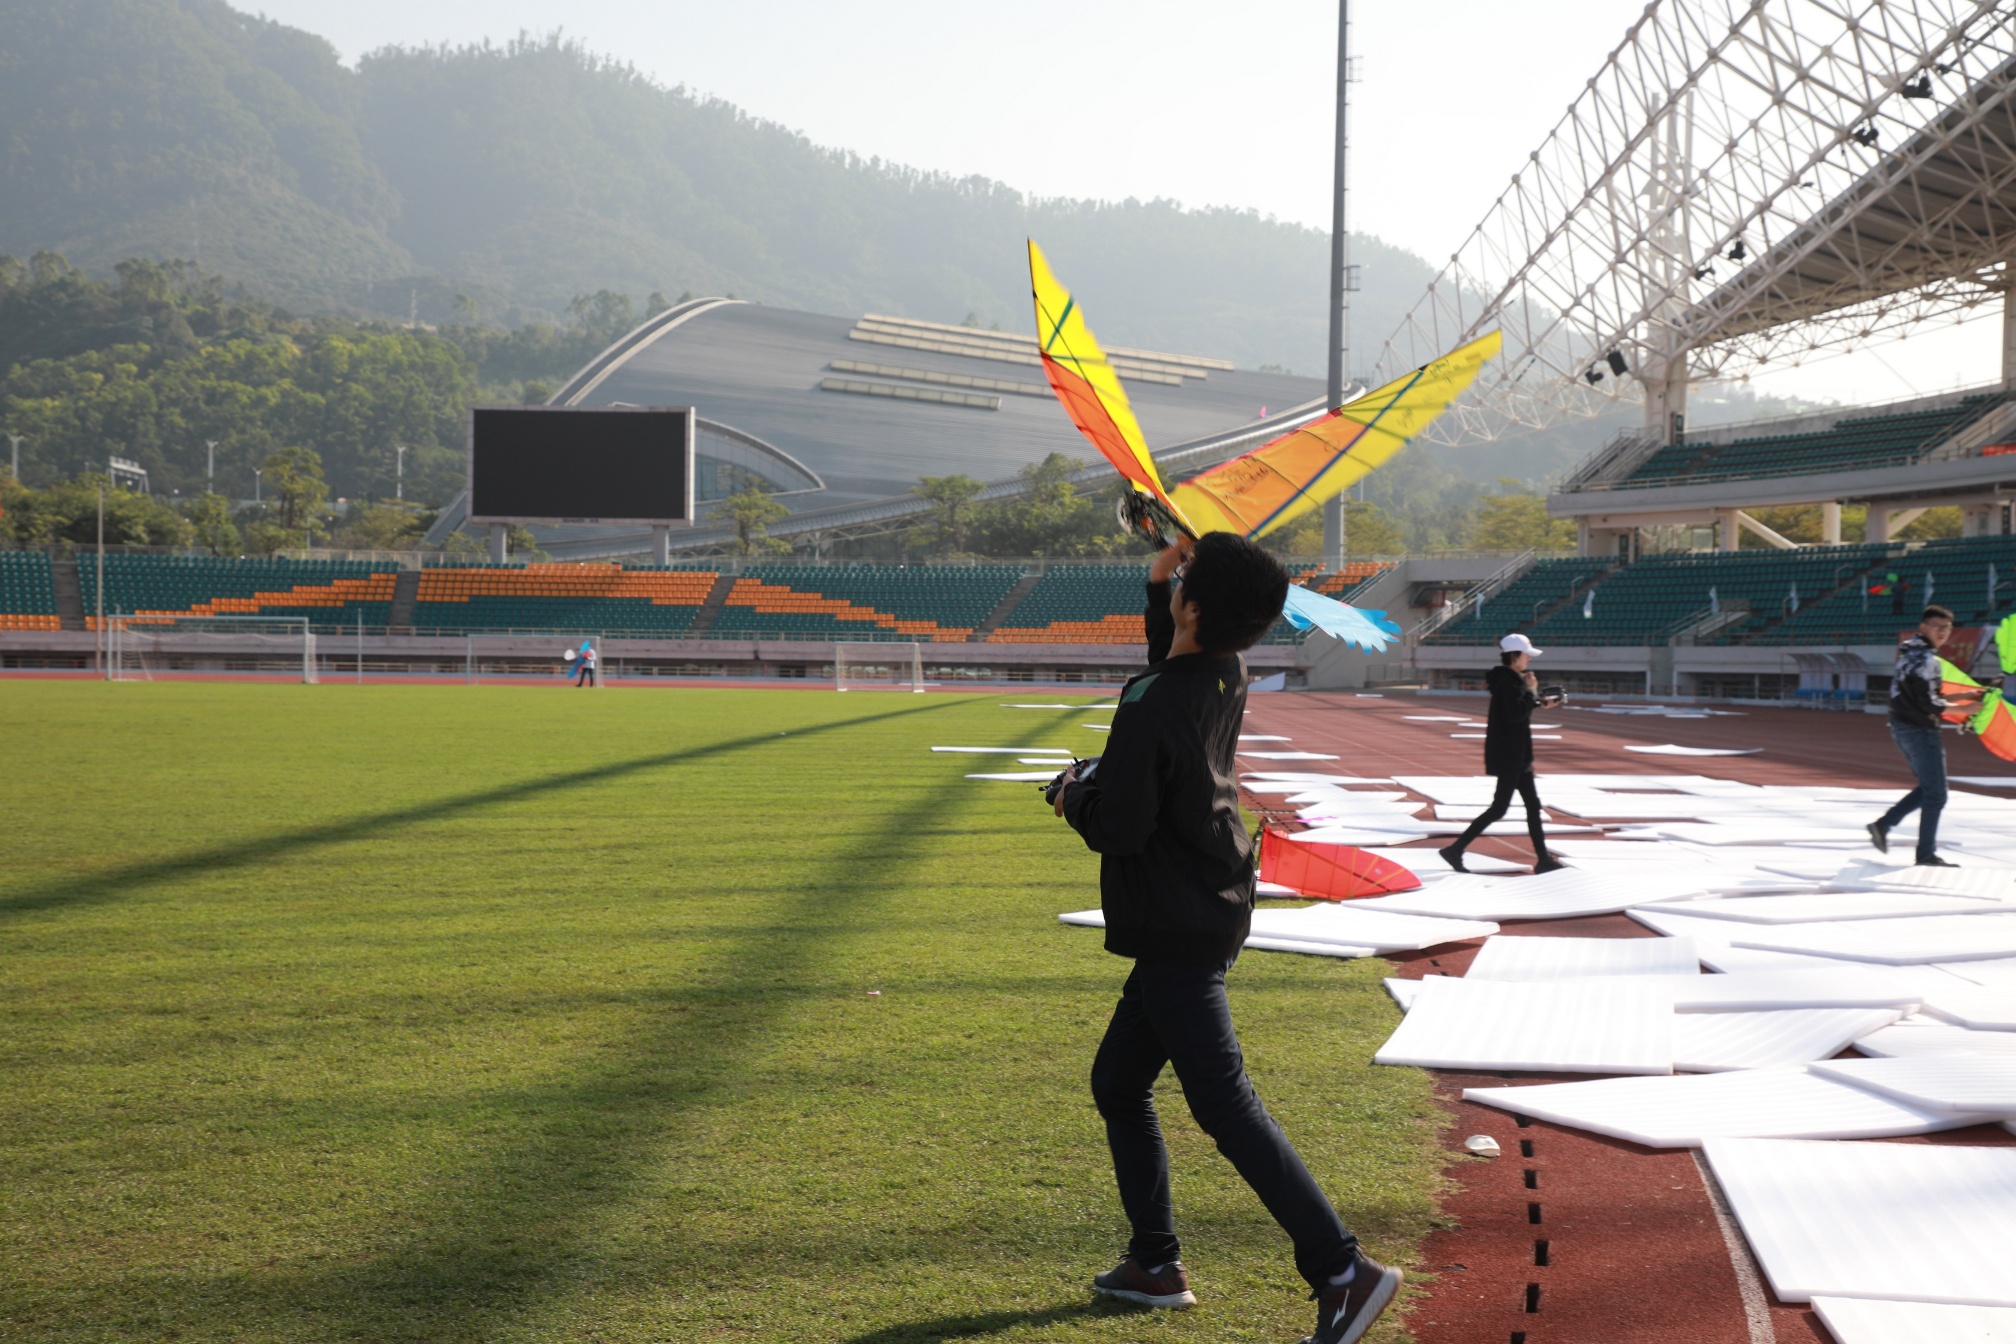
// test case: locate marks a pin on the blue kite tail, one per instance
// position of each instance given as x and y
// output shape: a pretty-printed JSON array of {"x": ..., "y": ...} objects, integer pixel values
[{"x": 1369, "y": 630}]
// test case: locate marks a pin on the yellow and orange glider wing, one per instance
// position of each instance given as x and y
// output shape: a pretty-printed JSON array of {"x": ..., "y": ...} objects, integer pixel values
[
  {"x": 1274, "y": 484},
  {"x": 1085, "y": 382}
]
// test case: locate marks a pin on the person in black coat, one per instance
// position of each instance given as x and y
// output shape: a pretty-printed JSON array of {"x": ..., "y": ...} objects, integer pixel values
[
  {"x": 1176, "y": 884},
  {"x": 1508, "y": 750}
]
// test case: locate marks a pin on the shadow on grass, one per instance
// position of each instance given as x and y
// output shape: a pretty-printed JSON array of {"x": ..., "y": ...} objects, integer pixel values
[
  {"x": 501, "y": 1237},
  {"x": 113, "y": 882},
  {"x": 981, "y": 1324}
]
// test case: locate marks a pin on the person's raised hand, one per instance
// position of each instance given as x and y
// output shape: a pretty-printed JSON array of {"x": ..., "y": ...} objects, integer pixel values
[{"x": 1165, "y": 564}]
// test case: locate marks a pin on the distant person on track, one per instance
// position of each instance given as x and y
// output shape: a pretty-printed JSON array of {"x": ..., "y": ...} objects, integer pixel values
[
  {"x": 1176, "y": 885},
  {"x": 1915, "y": 706},
  {"x": 584, "y": 663},
  {"x": 1508, "y": 751}
]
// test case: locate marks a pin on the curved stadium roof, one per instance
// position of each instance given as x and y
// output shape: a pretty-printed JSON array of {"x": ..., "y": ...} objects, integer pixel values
[{"x": 839, "y": 415}]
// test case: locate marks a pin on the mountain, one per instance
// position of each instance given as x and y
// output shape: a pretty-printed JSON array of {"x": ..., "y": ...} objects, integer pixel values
[{"x": 501, "y": 181}]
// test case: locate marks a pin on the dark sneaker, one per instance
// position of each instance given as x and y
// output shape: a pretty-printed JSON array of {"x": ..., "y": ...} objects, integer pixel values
[
  {"x": 1549, "y": 864},
  {"x": 1164, "y": 1286},
  {"x": 1878, "y": 837},
  {"x": 1936, "y": 862},
  {"x": 1453, "y": 856},
  {"x": 1343, "y": 1315}
]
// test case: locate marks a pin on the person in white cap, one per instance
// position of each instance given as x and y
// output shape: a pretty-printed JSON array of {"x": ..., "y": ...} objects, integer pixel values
[{"x": 1508, "y": 750}]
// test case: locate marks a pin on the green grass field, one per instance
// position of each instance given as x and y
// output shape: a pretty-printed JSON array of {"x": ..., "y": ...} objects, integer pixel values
[{"x": 418, "y": 1013}]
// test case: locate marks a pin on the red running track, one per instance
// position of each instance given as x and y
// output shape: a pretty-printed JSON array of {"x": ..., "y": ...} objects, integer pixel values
[{"x": 1572, "y": 1238}]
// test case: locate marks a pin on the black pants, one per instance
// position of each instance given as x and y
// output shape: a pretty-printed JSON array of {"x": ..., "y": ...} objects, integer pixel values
[
  {"x": 1501, "y": 803},
  {"x": 1178, "y": 1015}
]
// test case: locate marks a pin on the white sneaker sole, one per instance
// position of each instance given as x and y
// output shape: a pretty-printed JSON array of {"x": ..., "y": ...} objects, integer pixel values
[
  {"x": 1165, "y": 1301},
  {"x": 1375, "y": 1306}
]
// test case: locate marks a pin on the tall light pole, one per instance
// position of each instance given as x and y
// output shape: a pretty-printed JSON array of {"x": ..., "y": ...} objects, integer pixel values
[
  {"x": 210, "y": 475},
  {"x": 399, "y": 490},
  {"x": 15, "y": 441},
  {"x": 1340, "y": 277},
  {"x": 258, "y": 485}
]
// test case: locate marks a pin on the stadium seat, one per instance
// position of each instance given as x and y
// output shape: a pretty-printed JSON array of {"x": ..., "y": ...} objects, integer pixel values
[
  {"x": 27, "y": 592},
  {"x": 333, "y": 593}
]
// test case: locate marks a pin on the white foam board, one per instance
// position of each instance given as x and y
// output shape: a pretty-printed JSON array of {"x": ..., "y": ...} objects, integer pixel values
[
  {"x": 1819, "y": 985},
  {"x": 1964, "y": 1084},
  {"x": 1732, "y": 959},
  {"x": 1563, "y": 894},
  {"x": 1973, "y": 1007},
  {"x": 1427, "y": 863},
  {"x": 1992, "y": 973},
  {"x": 1021, "y": 776},
  {"x": 1261, "y": 737},
  {"x": 1569, "y": 1026},
  {"x": 1915, "y": 939},
  {"x": 1581, "y": 958},
  {"x": 1334, "y": 931},
  {"x": 1289, "y": 755},
  {"x": 1065, "y": 752},
  {"x": 1916, "y": 1036},
  {"x": 1344, "y": 950},
  {"x": 1990, "y": 883},
  {"x": 1668, "y": 749},
  {"x": 1984, "y": 781},
  {"x": 1718, "y": 1042},
  {"x": 1305, "y": 777},
  {"x": 1687, "y": 1110},
  {"x": 1871, "y": 1320},
  {"x": 1381, "y": 929},
  {"x": 1833, "y": 905},
  {"x": 1920, "y": 1222}
]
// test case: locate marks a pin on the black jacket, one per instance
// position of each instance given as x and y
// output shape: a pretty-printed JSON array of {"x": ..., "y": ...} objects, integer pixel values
[
  {"x": 1176, "y": 864},
  {"x": 1508, "y": 732},
  {"x": 1915, "y": 683}
]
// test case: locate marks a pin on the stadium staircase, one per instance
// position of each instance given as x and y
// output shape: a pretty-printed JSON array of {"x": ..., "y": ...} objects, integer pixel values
[
  {"x": 69, "y": 595},
  {"x": 1004, "y": 608},
  {"x": 405, "y": 592},
  {"x": 710, "y": 609}
]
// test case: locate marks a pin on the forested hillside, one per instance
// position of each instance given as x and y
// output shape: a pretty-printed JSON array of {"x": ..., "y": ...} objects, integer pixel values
[{"x": 498, "y": 182}]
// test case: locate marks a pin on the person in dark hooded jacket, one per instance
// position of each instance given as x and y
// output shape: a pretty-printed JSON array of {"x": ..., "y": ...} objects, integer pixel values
[
  {"x": 1508, "y": 752},
  {"x": 1176, "y": 886}
]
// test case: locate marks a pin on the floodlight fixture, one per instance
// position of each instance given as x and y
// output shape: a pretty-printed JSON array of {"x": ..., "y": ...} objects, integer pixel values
[{"x": 1616, "y": 361}]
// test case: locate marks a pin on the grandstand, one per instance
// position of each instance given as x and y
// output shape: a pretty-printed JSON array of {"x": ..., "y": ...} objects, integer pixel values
[
  {"x": 912, "y": 398},
  {"x": 929, "y": 604},
  {"x": 564, "y": 598},
  {"x": 1062, "y": 620},
  {"x": 331, "y": 592},
  {"x": 27, "y": 592}
]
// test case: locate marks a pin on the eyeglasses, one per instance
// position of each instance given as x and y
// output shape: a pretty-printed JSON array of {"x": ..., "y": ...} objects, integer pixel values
[{"x": 1176, "y": 575}]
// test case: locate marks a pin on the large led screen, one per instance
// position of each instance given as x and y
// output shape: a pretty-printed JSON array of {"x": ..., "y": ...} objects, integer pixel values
[{"x": 625, "y": 465}]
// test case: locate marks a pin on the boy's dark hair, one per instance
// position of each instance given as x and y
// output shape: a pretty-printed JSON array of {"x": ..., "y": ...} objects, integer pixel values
[
  {"x": 1935, "y": 612},
  {"x": 1505, "y": 659},
  {"x": 1239, "y": 590}
]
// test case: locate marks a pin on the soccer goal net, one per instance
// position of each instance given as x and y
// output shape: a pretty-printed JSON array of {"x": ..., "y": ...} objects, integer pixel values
[
  {"x": 878, "y": 667},
  {"x": 137, "y": 648}
]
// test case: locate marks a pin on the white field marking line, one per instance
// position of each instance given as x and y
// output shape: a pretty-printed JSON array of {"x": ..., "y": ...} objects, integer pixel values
[
  {"x": 1007, "y": 751},
  {"x": 1749, "y": 1280}
]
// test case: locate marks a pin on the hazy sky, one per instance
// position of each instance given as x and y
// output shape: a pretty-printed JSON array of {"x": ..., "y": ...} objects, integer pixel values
[{"x": 1206, "y": 103}]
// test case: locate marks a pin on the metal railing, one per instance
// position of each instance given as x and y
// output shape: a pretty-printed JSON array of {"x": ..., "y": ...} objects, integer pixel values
[{"x": 1475, "y": 598}]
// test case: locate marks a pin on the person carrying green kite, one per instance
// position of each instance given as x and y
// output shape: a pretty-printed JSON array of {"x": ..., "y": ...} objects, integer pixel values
[{"x": 1921, "y": 696}]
